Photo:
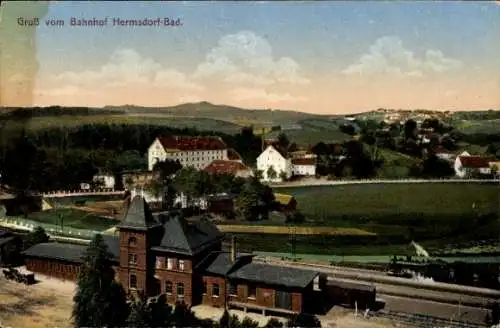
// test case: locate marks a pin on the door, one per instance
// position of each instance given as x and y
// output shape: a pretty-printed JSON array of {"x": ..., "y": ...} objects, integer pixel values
[{"x": 283, "y": 300}]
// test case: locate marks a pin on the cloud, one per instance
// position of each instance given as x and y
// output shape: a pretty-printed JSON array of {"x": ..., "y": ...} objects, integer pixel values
[
  {"x": 127, "y": 67},
  {"x": 388, "y": 56},
  {"x": 246, "y": 58},
  {"x": 245, "y": 94}
]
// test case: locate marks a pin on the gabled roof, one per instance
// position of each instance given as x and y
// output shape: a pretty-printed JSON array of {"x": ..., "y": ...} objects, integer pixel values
[
  {"x": 219, "y": 263},
  {"x": 138, "y": 216},
  {"x": 71, "y": 252},
  {"x": 474, "y": 161},
  {"x": 188, "y": 143},
  {"x": 275, "y": 275},
  {"x": 276, "y": 148},
  {"x": 225, "y": 167},
  {"x": 188, "y": 238}
]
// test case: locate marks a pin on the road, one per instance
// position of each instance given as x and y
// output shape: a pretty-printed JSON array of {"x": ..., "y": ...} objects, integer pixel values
[{"x": 323, "y": 182}]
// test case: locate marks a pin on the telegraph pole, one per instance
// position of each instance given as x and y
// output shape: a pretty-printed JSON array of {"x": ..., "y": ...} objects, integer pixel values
[{"x": 293, "y": 241}]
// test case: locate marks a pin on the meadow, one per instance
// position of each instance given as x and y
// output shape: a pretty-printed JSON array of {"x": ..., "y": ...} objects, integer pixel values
[
  {"x": 435, "y": 215},
  {"x": 73, "y": 218}
]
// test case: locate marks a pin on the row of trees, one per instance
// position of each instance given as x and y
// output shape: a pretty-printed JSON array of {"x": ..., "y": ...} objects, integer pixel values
[
  {"x": 253, "y": 201},
  {"x": 100, "y": 301},
  {"x": 62, "y": 158}
]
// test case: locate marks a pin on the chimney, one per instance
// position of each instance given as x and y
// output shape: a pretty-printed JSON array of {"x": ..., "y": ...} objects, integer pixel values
[{"x": 233, "y": 249}]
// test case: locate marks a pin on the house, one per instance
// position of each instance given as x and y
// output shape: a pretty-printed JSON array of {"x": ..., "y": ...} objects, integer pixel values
[
  {"x": 104, "y": 180},
  {"x": 305, "y": 166},
  {"x": 299, "y": 163},
  {"x": 286, "y": 203},
  {"x": 138, "y": 179},
  {"x": 10, "y": 248},
  {"x": 196, "y": 152},
  {"x": 468, "y": 166},
  {"x": 274, "y": 160},
  {"x": 235, "y": 168},
  {"x": 167, "y": 255}
]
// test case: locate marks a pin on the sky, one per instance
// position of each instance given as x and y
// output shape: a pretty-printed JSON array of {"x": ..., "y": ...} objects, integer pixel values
[{"x": 318, "y": 57}]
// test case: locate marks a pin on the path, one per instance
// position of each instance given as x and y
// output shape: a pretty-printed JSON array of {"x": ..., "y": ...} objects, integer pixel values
[{"x": 311, "y": 182}]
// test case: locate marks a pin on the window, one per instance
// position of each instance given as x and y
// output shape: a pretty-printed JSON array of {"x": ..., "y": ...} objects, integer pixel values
[
  {"x": 133, "y": 281},
  {"x": 132, "y": 258},
  {"x": 233, "y": 289},
  {"x": 159, "y": 262},
  {"x": 251, "y": 291},
  {"x": 204, "y": 288},
  {"x": 215, "y": 290},
  {"x": 168, "y": 287},
  {"x": 181, "y": 265},
  {"x": 170, "y": 263},
  {"x": 180, "y": 289},
  {"x": 132, "y": 241}
]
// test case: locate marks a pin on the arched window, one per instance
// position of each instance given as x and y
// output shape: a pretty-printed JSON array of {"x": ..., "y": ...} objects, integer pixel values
[
  {"x": 132, "y": 241},
  {"x": 133, "y": 281}
]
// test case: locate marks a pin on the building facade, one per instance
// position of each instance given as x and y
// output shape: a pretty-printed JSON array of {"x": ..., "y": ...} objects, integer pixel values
[
  {"x": 195, "y": 152},
  {"x": 272, "y": 158},
  {"x": 184, "y": 260}
]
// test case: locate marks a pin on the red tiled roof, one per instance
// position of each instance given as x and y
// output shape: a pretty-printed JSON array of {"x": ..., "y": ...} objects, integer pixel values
[
  {"x": 474, "y": 161},
  {"x": 192, "y": 143},
  {"x": 233, "y": 155},
  {"x": 225, "y": 167},
  {"x": 303, "y": 161}
]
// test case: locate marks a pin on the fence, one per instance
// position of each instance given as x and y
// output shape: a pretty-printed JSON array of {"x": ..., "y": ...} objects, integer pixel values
[
  {"x": 315, "y": 182},
  {"x": 76, "y": 192},
  {"x": 51, "y": 229}
]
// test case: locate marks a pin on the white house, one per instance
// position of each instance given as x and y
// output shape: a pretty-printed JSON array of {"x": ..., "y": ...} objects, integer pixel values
[
  {"x": 106, "y": 180},
  {"x": 304, "y": 166},
  {"x": 466, "y": 165},
  {"x": 196, "y": 152},
  {"x": 271, "y": 157}
]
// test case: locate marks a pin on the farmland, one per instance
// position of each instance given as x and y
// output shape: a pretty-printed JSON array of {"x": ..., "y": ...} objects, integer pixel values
[
  {"x": 435, "y": 215},
  {"x": 282, "y": 230}
]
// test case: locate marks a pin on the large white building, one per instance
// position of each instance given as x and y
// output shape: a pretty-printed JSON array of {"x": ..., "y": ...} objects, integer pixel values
[
  {"x": 298, "y": 165},
  {"x": 196, "y": 152}
]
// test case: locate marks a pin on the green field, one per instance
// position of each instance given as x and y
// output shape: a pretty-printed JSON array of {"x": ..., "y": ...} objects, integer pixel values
[
  {"x": 434, "y": 214},
  {"x": 73, "y": 218}
]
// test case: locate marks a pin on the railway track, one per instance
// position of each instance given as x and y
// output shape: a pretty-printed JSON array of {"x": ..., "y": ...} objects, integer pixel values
[{"x": 424, "y": 321}]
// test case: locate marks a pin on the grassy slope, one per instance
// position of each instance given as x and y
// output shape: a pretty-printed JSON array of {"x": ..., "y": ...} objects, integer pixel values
[
  {"x": 73, "y": 218},
  {"x": 330, "y": 203}
]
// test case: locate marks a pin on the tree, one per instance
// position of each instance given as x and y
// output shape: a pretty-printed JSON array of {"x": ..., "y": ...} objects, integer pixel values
[
  {"x": 247, "y": 203},
  {"x": 434, "y": 167},
  {"x": 183, "y": 316},
  {"x": 37, "y": 236},
  {"x": 274, "y": 323},
  {"x": 283, "y": 176},
  {"x": 304, "y": 320},
  {"x": 99, "y": 300},
  {"x": 410, "y": 129},
  {"x": 271, "y": 173},
  {"x": 139, "y": 315},
  {"x": 165, "y": 169},
  {"x": 283, "y": 142}
]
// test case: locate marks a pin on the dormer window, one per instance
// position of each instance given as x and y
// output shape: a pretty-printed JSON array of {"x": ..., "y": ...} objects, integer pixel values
[{"x": 132, "y": 241}]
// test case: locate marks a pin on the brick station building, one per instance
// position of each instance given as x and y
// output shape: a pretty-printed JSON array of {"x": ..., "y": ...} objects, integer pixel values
[{"x": 165, "y": 254}]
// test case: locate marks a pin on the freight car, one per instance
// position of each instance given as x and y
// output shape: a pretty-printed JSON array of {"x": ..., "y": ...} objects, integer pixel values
[{"x": 352, "y": 294}]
